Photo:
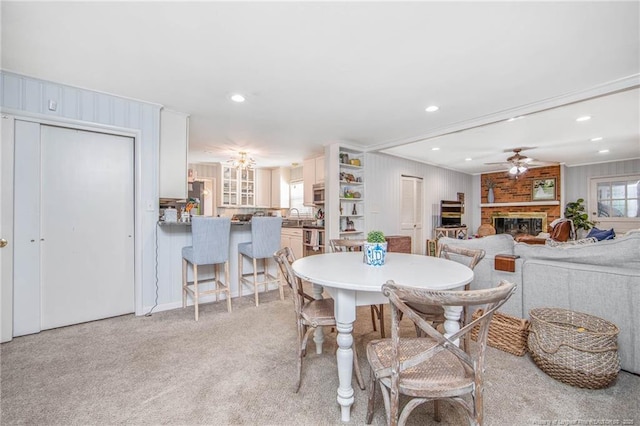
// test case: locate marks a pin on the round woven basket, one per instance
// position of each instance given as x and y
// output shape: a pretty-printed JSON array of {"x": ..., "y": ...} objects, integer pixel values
[{"x": 574, "y": 348}]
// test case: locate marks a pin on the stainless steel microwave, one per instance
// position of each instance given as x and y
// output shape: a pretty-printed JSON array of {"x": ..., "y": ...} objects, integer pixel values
[{"x": 318, "y": 194}]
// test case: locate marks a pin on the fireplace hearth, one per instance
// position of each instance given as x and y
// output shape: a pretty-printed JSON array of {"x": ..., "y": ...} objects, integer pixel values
[{"x": 520, "y": 223}]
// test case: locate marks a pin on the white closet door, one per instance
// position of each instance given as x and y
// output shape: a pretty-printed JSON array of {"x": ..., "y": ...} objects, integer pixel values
[
  {"x": 87, "y": 217},
  {"x": 411, "y": 211}
]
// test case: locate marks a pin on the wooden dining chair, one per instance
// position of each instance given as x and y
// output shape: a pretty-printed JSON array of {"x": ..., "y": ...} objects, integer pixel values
[
  {"x": 310, "y": 312},
  {"x": 342, "y": 245},
  {"x": 435, "y": 314},
  {"x": 431, "y": 368}
]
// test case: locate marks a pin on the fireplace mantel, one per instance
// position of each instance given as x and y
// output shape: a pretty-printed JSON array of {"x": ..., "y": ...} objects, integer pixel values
[{"x": 522, "y": 204}]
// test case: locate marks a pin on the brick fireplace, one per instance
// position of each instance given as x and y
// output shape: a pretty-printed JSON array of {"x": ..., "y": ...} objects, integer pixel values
[
  {"x": 520, "y": 223},
  {"x": 513, "y": 199}
]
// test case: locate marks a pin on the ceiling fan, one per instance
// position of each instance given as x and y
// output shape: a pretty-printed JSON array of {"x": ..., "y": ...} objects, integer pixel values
[{"x": 518, "y": 163}]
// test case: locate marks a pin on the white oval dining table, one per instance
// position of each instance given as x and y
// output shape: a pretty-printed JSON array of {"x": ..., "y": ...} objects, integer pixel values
[{"x": 352, "y": 283}]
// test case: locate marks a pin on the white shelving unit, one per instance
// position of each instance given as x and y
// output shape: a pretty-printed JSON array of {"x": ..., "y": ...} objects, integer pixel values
[{"x": 351, "y": 193}]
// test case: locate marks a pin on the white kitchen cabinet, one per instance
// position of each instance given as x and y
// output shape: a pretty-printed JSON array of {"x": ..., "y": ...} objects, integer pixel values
[
  {"x": 263, "y": 188},
  {"x": 237, "y": 188},
  {"x": 312, "y": 173},
  {"x": 319, "y": 169},
  {"x": 280, "y": 188},
  {"x": 292, "y": 237},
  {"x": 174, "y": 144}
]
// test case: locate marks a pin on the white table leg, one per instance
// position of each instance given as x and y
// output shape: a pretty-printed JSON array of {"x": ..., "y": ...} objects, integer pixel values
[
  {"x": 345, "y": 311},
  {"x": 452, "y": 321},
  {"x": 318, "y": 334},
  {"x": 344, "y": 356}
]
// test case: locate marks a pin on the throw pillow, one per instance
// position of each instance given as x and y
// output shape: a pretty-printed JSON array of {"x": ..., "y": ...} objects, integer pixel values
[
  {"x": 590, "y": 240},
  {"x": 602, "y": 234}
]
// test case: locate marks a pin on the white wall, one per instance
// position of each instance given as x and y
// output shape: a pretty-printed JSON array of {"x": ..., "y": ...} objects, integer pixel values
[
  {"x": 577, "y": 178},
  {"x": 382, "y": 200},
  {"x": 29, "y": 97}
]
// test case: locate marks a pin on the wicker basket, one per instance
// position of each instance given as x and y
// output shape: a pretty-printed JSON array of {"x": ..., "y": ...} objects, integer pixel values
[
  {"x": 507, "y": 333},
  {"x": 574, "y": 348}
]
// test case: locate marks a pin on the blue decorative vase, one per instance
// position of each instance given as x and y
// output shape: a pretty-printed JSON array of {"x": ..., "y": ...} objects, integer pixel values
[
  {"x": 490, "y": 197},
  {"x": 375, "y": 253}
]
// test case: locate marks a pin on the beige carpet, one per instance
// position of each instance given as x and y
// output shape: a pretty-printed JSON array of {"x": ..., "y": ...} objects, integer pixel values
[{"x": 239, "y": 368}]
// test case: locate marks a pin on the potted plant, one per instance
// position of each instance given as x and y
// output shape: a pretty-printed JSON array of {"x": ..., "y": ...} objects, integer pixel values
[
  {"x": 576, "y": 212},
  {"x": 490, "y": 185},
  {"x": 375, "y": 248}
]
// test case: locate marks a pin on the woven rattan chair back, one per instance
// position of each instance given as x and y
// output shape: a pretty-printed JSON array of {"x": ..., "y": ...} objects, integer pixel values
[
  {"x": 284, "y": 258},
  {"x": 343, "y": 245},
  {"x": 310, "y": 312},
  {"x": 468, "y": 257},
  {"x": 432, "y": 367}
]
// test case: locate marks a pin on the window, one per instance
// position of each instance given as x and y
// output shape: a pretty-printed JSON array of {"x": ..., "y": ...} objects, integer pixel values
[
  {"x": 618, "y": 198},
  {"x": 614, "y": 202},
  {"x": 296, "y": 193}
]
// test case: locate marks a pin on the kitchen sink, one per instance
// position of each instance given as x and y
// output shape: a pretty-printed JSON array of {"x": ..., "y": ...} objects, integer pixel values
[{"x": 297, "y": 223}]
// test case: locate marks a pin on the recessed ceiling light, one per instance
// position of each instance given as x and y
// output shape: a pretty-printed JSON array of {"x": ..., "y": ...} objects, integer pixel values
[
  {"x": 432, "y": 108},
  {"x": 237, "y": 97},
  {"x": 583, "y": 118},
  {"x": 599, "y": 138},
  {"x": 468, "y": 159},
  {"x": 603, "y": 151},
  {"x": 435, "y": 148}
]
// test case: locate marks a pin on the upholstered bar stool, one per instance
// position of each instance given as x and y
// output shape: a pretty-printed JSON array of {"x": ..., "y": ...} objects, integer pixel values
[
  {"x": 265, "y": 241},
  {"x": 210, "y": 246}
]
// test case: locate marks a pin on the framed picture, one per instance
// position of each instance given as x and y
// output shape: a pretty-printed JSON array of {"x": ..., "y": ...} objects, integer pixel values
[{"x": 543, "y": 189}]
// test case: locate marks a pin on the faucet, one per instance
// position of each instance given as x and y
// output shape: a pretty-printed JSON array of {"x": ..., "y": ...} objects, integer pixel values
[{"x": 297, "y": 212}]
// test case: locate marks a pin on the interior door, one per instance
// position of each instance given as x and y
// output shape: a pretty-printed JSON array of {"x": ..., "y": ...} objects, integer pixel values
[
  {"x": 411, "y": 216},
  {"x": 6, "y": 229},
  {"x": 87, "y": 217}
]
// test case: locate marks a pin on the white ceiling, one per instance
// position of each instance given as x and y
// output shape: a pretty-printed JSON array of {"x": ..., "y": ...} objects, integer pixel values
[{"x": 361, "y": 73}]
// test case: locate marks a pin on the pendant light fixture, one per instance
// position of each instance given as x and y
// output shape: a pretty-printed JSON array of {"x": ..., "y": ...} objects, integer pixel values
[{"x": 243, "y": 162}]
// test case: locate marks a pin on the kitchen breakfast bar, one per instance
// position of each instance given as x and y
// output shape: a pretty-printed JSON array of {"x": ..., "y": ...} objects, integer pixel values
[{"x": 172, "y": 237}]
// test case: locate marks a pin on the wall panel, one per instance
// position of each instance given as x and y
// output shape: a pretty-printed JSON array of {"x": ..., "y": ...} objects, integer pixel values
[
  {"x": 76, "y": 106},
  {"x": 382, "y": 192},
  {"x": 577, "y": 178}
]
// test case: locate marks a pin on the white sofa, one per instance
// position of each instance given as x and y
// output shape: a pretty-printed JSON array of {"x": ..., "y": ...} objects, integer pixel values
[{"x": 601, "y": 279}]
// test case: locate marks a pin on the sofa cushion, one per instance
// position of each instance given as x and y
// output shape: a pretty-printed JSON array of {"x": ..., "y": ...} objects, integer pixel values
[
  {"x": 621, "y": 252},
  {"x": 602, "y": 234}
]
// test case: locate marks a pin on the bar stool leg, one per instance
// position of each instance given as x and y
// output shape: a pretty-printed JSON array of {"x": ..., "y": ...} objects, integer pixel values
[
  {"x": 195, "y": 288},
  {"x": 216, "y": 278},
  {"x": 184, "y": 283},
  {"x": 255, "y": 280},
  {"x": 226, "y": 282},
  {"x": 240, "y": 272}
]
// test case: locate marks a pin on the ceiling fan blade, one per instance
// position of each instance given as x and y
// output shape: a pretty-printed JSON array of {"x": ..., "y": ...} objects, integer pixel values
[
  {"x": 537, "y": 163},
  {"x": 519, "y": 149}
]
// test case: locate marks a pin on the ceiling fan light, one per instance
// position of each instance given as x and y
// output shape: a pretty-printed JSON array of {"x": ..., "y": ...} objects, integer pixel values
[
  {"x": 513, "y": 170},
  {"x": 522, "y": 169}
]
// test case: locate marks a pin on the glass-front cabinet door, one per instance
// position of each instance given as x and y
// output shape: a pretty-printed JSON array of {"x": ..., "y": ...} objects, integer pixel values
[
  {"x": 247, "y": 187},
  {"x": 229, "y": 186},
  {"x": 238, "y": 187}
]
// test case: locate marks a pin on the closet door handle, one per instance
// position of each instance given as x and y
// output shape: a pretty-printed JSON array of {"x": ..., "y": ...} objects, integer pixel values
[{"x": 3, "y": 242}]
